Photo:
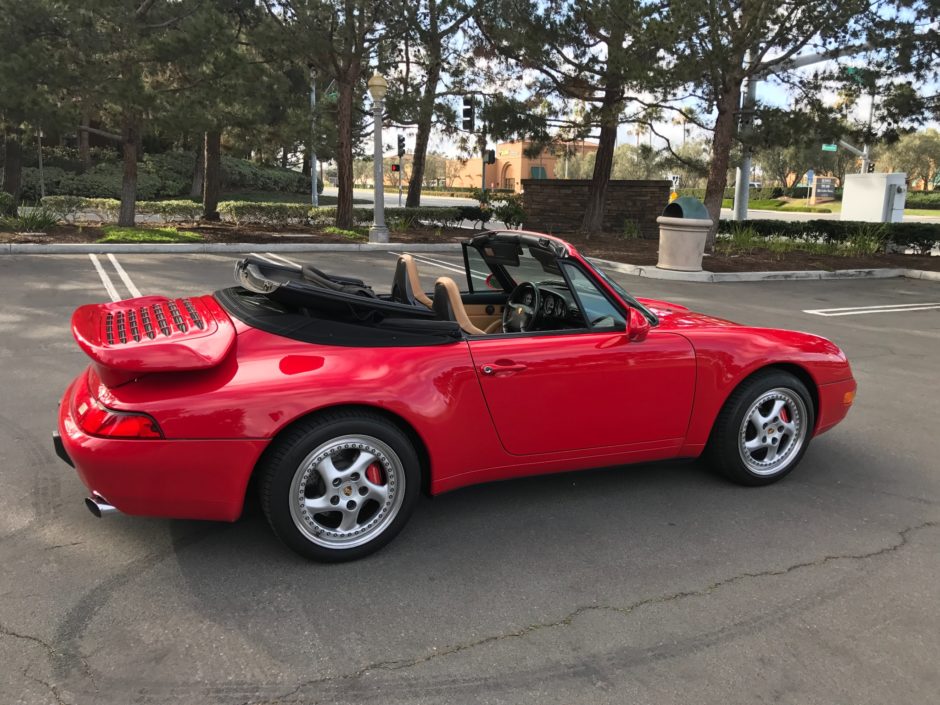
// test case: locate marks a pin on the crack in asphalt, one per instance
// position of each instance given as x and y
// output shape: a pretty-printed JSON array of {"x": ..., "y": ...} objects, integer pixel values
[
  {"x": 53, "y": 654},
  {"x": 49, "y": 686},
  {"x": 568, "y": 619}
]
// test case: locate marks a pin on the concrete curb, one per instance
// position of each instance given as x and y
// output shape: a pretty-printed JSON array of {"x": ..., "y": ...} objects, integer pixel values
[
  {"x": 651, "y": 272},
  {"x": 12, "y": 248}
]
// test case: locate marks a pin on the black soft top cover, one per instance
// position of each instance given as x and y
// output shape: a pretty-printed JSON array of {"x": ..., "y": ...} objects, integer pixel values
[{"x": 304, "y": 303}]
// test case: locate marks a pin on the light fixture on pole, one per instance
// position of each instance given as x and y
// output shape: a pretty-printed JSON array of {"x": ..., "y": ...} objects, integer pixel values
[{"x": 378, "y": 87}]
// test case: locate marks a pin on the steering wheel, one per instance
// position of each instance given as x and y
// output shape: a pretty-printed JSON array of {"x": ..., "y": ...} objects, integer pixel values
[{"x": 519, "y": 316}]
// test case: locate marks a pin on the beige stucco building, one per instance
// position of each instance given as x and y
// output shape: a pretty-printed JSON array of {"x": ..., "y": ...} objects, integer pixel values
[{"x": 512, "y": 166}]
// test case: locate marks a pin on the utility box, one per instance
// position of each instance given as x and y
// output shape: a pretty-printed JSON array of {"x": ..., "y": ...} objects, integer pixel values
[{"x": 874, "y": 198}]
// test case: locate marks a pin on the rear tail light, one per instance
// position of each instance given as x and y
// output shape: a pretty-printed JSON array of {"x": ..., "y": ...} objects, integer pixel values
[{"x": 95, "y": 419}]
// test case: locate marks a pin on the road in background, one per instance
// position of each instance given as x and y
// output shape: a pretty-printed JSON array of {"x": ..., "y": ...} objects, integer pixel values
[
  {"x": 657, "y": 583},
  {"x": 391, "y": 201}
]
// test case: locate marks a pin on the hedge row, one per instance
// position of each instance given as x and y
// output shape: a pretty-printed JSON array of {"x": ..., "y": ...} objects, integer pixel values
[
  {"x": 160, "y": 176},
  {"x": 920, "y": 237},
  {"x": 68, "y": 207},
  {"x": 756, "y": 194},
  {"x": 923, "y": 200}
]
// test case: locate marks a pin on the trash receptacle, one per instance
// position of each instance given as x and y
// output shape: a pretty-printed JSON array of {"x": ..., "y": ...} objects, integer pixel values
[{"x": 683, "y": 228}]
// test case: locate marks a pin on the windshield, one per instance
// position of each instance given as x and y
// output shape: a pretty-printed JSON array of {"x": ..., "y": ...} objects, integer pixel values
[{"x": 650, "y": 316}]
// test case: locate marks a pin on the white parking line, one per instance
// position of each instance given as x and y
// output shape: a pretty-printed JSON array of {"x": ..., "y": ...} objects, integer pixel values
[
  {"x": 448, "y": 266},
  {"x": 135, "y": 292},
  {"x": 884, "y": 308},
  {"x": 105, "y": 279}
]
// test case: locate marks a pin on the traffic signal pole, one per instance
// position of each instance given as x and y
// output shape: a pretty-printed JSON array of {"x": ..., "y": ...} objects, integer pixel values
[{"x": 742, "y": 193}]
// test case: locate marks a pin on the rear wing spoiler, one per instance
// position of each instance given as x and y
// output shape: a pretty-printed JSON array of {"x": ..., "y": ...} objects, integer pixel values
[{"x": 153, "y": 334}]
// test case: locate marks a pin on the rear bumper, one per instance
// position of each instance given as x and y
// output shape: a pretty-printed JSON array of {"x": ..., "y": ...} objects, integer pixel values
[
  {"x": 835, "y": 400},
  {"x": 182, "y": 479}
]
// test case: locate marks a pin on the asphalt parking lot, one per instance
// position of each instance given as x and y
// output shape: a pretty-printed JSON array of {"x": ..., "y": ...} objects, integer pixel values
[{"x": 649, "y": 584}]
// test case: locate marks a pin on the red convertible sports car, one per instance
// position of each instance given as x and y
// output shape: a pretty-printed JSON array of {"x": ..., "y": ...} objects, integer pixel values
[{"x": 342, "y": 405}]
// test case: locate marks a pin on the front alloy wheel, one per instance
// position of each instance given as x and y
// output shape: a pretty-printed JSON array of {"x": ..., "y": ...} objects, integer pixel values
[{"x": 763, "y": 429}]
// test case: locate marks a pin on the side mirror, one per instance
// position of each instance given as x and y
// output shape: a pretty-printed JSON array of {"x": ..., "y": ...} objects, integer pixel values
[
  {"x": 491, "y": 282},
  {"x": 638, "y": 327}
]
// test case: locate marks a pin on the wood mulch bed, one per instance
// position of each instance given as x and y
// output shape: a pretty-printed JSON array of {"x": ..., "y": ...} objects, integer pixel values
[{"x": 605, "y": 246}]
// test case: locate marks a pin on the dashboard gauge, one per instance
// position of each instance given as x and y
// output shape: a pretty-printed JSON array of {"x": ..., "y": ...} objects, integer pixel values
[
  {"x": 549, "y": 305},
  {"x": 560, "y": 309}
]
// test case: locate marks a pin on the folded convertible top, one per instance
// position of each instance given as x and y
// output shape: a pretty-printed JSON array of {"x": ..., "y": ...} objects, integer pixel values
[{"x": 308, "y": 287}]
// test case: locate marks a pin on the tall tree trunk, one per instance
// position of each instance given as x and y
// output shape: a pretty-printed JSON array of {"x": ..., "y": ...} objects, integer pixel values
[
  {"x": 212, "y": 183},
  {"x": 344, "y": 174},
  {"x": 284, "y": 155},
  {"x": 13, "y": 168},
  {"x": 597, "y": 193},
  {"x": 129, "y": 139},
  {"x": 84, "y": 141},
  {"x": 420, "y": 156},
  {"x": 725, "y": 126},
  {"x": 199, "y": 170}
]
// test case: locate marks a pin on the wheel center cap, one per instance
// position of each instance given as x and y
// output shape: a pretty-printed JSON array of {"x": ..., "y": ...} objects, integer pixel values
[
  {"x": 770, "y": 430},
  {"x": 347, "y": 490}
]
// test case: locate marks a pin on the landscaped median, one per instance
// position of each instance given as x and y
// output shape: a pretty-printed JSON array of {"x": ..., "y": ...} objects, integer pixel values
[{"x": 72, "y": 219}]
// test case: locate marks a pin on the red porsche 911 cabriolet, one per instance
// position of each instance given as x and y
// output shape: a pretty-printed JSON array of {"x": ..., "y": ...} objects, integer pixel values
[{"x": 343, "y": 404}]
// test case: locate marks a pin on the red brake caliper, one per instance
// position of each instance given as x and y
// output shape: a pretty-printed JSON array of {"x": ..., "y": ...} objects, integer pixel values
[
  {"x": 374, "y": 474},
  {"x": 784, "y": 415}
]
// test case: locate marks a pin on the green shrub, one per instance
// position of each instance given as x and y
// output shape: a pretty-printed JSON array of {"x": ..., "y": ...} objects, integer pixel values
[
  {"x": 473, "y": 213},
  {"x": 31, "y": 220},
  {"x": 64, "y": 207},
  {"x": 507, "y": 208},
  {"x": 923, "y": 200},
  {"x": 850, "y": 236},
  {"x": 7, "y": 205},
  {"x": 264, "y": 213},
  {"x": 185, "y": 210}
]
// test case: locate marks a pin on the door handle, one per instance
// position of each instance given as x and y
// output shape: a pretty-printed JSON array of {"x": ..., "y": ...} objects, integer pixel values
[{"x": 497, "y": 368}]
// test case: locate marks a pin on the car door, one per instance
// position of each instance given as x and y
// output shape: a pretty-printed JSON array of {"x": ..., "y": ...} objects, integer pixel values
[{"x": 577, "y": 391}]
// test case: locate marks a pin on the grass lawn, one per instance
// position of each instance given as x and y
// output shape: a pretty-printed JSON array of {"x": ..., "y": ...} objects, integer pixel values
[
  {"x": 776, "y": 204},
  {"x": 115, "y": 233},
  {"x": 922, "y": 211}
]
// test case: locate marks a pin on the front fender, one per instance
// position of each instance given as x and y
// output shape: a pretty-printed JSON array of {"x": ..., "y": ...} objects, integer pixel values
[{"x": 726, "y": 357}]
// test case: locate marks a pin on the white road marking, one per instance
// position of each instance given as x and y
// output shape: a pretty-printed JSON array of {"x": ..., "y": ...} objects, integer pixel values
[
  {"x": 884, "y": 308},
  {"x": 135, "y": 292},
  {"x": 448, "y": 266},
  {"x": 105, "y": 279},
  {"x": 271, "y": 255}
]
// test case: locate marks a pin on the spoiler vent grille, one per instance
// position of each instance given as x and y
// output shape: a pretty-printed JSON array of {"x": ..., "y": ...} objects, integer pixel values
[{"x": 167, "y": 318}]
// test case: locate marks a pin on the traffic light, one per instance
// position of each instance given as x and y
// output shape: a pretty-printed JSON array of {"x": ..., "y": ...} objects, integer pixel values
[
  {"x": 468, "y": 111},
  {"x": 871, "y": 167},
  {"x": 396, "y": 167},
  {"x": 489, "y": 156},
  {"x": 401, "y": 145}
]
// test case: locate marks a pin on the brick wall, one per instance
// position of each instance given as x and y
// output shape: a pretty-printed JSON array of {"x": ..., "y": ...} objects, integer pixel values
[{"x": 557, "y": 205}]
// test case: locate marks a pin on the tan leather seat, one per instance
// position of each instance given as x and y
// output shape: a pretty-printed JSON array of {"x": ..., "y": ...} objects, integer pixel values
[
  {"x": 406, "y": 286},
  {"x": 449, "y": 307}
]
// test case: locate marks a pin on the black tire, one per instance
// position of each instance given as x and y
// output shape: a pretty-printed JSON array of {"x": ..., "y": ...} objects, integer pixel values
[
  {"x": 724, "y": 453},
  {"x": 282, "y": 465}
]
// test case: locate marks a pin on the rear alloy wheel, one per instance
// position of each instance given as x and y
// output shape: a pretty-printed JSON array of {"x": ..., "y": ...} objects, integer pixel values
[
  {"x": 340, "y": 487},
  {"x": 763, "y": 429}
]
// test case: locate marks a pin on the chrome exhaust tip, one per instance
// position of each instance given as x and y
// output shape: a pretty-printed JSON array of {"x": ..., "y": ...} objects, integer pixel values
[{"x": 99, "y": 507}]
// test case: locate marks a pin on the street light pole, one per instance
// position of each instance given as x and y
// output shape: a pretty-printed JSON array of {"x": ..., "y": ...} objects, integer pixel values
[
  {"x": 314, "y": 196},
  {"x": 742, "y": 182},
  {"x": 378, "y": 87}
]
